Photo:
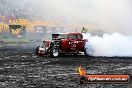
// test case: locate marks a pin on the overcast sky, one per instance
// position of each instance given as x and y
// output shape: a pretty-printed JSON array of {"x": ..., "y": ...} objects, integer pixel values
[
  {"x": 115, "y": 15},
  {"x": 112, "y": 15}
]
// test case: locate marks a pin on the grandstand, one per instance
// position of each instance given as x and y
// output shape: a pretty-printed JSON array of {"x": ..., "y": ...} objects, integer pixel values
[
  {"x": 25, "y": 22},
  {"x": 22, "y": 12}
]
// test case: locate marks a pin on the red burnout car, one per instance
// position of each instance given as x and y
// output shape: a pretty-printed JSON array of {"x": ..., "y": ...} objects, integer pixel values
[{"x": 63, "y": 43}]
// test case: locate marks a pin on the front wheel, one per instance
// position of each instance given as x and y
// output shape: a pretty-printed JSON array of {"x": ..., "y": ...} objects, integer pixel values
[
  {"x": 54, "y": 52},
  {"x": 40, "y": 50}
]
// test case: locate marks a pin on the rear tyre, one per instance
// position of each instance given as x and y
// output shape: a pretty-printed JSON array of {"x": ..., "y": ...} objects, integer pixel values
[
  {"x": 85, "y": 52},
  {"x": 88, "y": 50},
  {"x": 54, "y": 52}
]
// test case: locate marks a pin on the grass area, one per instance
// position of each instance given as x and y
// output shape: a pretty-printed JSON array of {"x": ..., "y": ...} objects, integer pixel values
[
  {"x": 15, "y": 41},
  {"x": 8, "y": 41},
  {"x": 20, "y": 41}
]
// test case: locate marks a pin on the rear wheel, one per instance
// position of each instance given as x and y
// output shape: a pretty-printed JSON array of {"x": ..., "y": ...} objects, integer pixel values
[
  {"x": 85, "y": 52},
  {"x": 88, "y": 50},
  {"x": 54, "y": 52}
]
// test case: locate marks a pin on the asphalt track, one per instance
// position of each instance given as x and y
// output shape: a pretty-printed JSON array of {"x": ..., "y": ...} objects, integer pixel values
[{"x": 21, "y": 68}]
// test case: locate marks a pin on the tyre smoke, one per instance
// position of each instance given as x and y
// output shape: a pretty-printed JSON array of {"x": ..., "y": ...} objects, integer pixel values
[{"x": 115, "y": 44}]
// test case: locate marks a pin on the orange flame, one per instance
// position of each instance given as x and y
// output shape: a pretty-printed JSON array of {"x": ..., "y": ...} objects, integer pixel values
[{"x": 81, "y": 71}]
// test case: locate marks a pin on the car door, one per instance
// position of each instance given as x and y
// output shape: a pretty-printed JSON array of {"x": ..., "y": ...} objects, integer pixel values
[
  {"x": 72, "y": 42},
  {"x": 80, "y": 42}
]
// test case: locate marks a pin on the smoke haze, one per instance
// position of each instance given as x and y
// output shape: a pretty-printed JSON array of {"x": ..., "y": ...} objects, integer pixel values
[
  {"x": 108, "y": 15},
  {"x": 110, "y": 45}
]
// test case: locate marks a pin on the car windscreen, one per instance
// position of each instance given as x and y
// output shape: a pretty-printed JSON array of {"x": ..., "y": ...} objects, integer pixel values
[
  {"x": 62, "y": 36},
  {"x": 79, "y": 36},
  {"x": 72, "y": 36}
]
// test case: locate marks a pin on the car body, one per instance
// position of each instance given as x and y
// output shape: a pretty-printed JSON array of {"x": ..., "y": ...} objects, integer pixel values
[{"x": 62, "y": 43}]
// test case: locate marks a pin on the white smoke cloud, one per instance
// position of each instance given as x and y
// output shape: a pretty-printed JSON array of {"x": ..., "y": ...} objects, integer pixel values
[
  {"x": 109, "y": 15},
  {"x": 110, "y": 45}
]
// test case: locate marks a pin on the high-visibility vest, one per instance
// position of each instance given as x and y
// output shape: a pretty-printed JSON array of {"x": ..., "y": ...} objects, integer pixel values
[{"x": 83, "y": 30}]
